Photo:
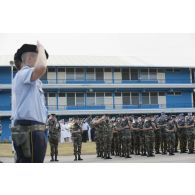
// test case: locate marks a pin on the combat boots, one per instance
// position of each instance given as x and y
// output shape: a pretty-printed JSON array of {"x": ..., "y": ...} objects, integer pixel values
[
  {"x": 98, "y": 154},
  {"x": 56, "y": 158},
  {"x": 105, "y": 156},
  {"x": 75, "y": 159},
  {"x": 108, "y": 157},
  {"x": 191, "y": 152},
  {"x": 79, "y": 157},
  {"x": 52, "y": 159},
  {"x": 127, "y": 156}
]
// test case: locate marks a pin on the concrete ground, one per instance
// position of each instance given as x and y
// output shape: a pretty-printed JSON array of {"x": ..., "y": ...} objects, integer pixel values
[{"x": 177, "y": 158}]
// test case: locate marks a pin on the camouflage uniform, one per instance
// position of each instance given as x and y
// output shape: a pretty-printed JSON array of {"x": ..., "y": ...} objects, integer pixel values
[
  {"x": 115, "y": 139},
  {"x": 157, "y": 133},
  {"x": 170, "y": 129},
  {"x": 76, "y": 134},
  {"x": 126, "y": 138},
  {"x": 119, "y": 137},
  {"x": 142, "y": 137},
  {"x": 182, "y": 133},
  {"x": 113, "y": 152},
  {"x": 101, "y": 139},
  {"x": 176, "y": 140},
  {"x": 112, "y": 146},
  {"x": 136, "y": 136},
  {"x": 97, "y": 139},
  {"x": 54, "y": 136},
  {"x": 149, "y": 137},
  {"x": 161, "y": 124},
  {"x": 190, "y": 136},
  {"x": 133, "y": 137},
  {"x": 107, "y": 139}
]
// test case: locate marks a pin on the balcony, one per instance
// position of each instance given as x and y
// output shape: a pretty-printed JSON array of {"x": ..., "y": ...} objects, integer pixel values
[
  {"x": 115, "y": 106},
  {"x": 117, "y": 81},
  {"x": 113, "y": 84}
]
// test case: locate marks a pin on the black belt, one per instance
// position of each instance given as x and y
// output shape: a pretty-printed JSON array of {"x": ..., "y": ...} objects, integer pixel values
[{"x": 27, "y": 122}]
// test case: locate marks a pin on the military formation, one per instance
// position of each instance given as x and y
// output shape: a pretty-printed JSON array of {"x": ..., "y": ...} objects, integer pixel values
[
  {"x": 144, "y": 135},
  {"x": 124, "y": 135}
]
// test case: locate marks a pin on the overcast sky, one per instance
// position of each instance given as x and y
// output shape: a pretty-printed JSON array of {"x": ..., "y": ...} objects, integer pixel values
[{"x": 104, "y": 44}]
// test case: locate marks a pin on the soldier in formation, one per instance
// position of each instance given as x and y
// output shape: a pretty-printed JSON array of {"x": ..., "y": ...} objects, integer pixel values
[
  {"x": 76, "y": 135},
  {"x": 54, "y": 136}
]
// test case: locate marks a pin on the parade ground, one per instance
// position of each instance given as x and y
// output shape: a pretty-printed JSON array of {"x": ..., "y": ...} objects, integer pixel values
[{"x": 65, "y": 156}]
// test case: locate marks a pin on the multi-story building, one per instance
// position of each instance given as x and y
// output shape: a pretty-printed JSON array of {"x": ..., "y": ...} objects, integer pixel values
[{"x": 83, "y": 85}]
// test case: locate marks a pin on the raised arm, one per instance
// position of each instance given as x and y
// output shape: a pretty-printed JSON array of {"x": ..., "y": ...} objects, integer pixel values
[{"x": 41, "y": 63}]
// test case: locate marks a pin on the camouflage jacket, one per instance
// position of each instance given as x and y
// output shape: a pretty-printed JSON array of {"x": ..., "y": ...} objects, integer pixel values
[
  {"x": 76, "y": 130},
  {"x": 54, "y": 129}
]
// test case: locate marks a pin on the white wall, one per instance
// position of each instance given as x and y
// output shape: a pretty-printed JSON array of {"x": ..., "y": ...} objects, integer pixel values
[
  {"x": 52, "y": 101},
  {"x": 51, "y": 75},
  {"x": 62, "y": 77},
  {"x": 108, "y": 102},
  {"x": 118, "y": 101},
  {"x": 162, "y": 101},
  {"x": 62, "y": 101},
  {"x": 117, "y": 77},
  {"x": 107, "y": 77},
  {"x": 161, "y": 77}
]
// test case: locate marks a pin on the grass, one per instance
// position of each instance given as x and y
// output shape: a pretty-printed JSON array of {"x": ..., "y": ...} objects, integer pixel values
[{"x": 64, "y": 149}]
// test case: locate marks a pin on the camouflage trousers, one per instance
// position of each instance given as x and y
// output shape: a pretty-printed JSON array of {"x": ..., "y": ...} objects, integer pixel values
[
  {"x": 149, "y": 138},
  {"x": 53, "y": 147},
  {"x": 99, "y": 143},
  {"x": 116, "y": 144},
  {"x": 107, "y": 141},
  {"x": 183, "y": 140},
  {"x": 137, "y": 142},
  {"x": 142, "y": 143},
  {"x": 157, "y": 140},
  {"x": 171, "y": 142},
  {"x": 126, "y": 145},
  {"x": 77, "y": 144},
  {"x": 163, "y": 141},
  {"x": 120, "y": 149},
  {"x": 112, "y": 147},
  {"x": 190, "y": 140},
  {"x": 133, "y": 137},
  {"x": 176, "y": 141}
]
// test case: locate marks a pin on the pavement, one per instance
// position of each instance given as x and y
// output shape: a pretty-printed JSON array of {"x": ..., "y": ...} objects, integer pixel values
[{"x": 177, "y": 158}]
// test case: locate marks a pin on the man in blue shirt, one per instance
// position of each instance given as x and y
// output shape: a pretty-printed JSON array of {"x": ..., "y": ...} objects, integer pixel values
[{"x": 29, "y": 113}]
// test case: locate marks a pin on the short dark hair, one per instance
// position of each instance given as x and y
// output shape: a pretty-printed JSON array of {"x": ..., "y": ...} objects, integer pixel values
[{"x": 18, "y": 64}]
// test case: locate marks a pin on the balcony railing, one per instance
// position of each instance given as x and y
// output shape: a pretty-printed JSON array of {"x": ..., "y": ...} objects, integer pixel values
[
  {"x": 120, "y": 106},
  {"x": 110, "y": 107},
  {"x": 116, "y": 81},
  {"x": 111, "y": 81}
]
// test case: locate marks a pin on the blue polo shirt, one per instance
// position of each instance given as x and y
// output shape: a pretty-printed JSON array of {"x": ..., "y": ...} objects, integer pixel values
[{"x": 28, "y": 101}]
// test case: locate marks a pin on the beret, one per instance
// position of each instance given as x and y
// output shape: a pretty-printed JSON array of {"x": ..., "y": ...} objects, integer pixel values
[{"x": 27, "y": 48}]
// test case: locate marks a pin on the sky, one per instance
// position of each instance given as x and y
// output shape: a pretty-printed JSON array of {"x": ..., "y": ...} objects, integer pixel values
[{"x": 104, "y": 44}]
